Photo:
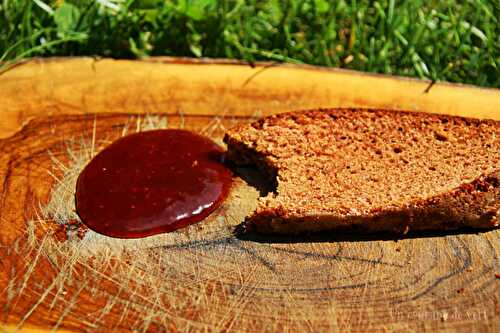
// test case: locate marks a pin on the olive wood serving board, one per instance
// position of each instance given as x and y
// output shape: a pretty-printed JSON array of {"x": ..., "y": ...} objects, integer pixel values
[{"x": 56, "y": 113}]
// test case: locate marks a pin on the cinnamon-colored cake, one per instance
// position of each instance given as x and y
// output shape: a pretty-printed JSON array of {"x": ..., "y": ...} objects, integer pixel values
[{"x": 371, "y": 170}]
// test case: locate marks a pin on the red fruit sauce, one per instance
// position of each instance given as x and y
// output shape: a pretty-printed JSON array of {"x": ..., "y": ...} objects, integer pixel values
[{"x": 152, "y": 182}]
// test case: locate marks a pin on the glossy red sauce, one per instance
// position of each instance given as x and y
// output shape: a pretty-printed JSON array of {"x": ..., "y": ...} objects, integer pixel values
[{"x": 152, "y": 182}]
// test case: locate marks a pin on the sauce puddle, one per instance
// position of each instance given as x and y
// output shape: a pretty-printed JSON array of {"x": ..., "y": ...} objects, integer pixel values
[{"x": 152, "y": 182}]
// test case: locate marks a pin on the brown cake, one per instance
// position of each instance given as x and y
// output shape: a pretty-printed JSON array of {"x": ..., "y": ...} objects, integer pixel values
[{"x": 371, "y": 170}]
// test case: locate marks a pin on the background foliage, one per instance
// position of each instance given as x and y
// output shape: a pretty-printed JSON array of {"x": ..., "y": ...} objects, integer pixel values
[{"x": 453, "y": 40}]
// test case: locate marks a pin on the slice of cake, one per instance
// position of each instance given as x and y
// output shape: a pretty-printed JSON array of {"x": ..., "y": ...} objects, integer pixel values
[{"x": 371, "y": 170}]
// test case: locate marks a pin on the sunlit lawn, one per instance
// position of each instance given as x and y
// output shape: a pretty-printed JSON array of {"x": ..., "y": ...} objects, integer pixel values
[{"x": 452, "y": 40}]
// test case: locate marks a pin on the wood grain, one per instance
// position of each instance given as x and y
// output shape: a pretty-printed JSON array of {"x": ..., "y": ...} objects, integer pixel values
[
  {"x": 86, "y": 85},
  {"x": 203, "y": 277}
]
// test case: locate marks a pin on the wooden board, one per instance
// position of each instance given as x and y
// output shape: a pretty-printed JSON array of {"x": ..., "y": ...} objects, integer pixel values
[{"x": 56, "y": 113}]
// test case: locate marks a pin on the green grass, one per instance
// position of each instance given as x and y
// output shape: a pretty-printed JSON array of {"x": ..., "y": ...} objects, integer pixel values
[{"x": 451, "y": 40}]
